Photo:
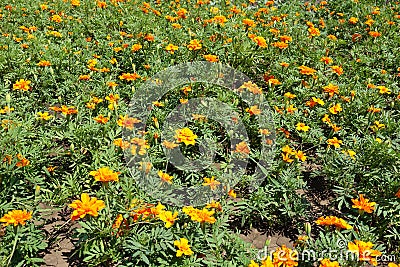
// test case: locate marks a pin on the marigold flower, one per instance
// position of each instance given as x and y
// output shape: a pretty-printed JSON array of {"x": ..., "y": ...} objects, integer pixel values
[
  {"x": 286, "y": 158},
  {"x": 332, "y": 37},
  {"x": 129, "y": 76},
  {"x": 306, "y": 70},
  {"x": 364, "y": 251},
  {"x": 101, "y": 4},
  {"x": 326, "y": 60},
  {"x": 44, "y": 63},
  {"x": 339, "y": 223},
  {"x": 75, "y": 3},
  {"x": 314, "y": 101},
  {"x": 84, "y": 77},
  {"x": 168, "y": 217},
  {"x": 391, "y": 264},
  {"x": 171, "y": 48},
  {"x": 383, "y": 90},
  {"x": 86, "y": 206},
  {"x": 211, "y": 58},
  {"x": 22, "y": 85},
  {"x": 186, "y": 136},
  {"x": 252, "y": 87},
  {"x": 44, "y": 116},
  {"x": 284, "y": 256},
  {"x": 169, "y": 145},
  {"x": 335, "y": 109},
  {"x": 16, "y": 217},
  {"x": 353, "y": 20},
  {"x": 398, "y": 194},
  {"x": 194, "y": 45},
  {"x": 165, "y": 177},
  {"x": 22, "y": 161},
  {"x": 232, "y": 193},
  {"x": 374, "y": 34},
  {"x": 211, "y": 182},
  {"x": 253, "y": 110},
  {"x": 56, "y": 18},
  {"x": 260, "y": 41},
  {"x": 280, "y": 45},
  {"x": 248, "y": 22},
  {"x": 334, "y": 142},
  {"x": 201, "y": 216},
  {"x": 337, "y": 69},
  {"x": 329, "y": 263},
  {"x": 253, "y": 264},
  {"x": 127, "y": 122},
  {"x": 121, "y": 143},
  {"x": 105, "y": 174},
  {"x": 363, "y": 204},
  {"x": 183, "y": 247},
  {"x": 284, "y": 64},
  {"x": 136, "y": 47},
  {"x": 302, "y": 127},
  {"x": 300, "y": 155},
  {"x": 101, "y": 119},
  {"x": 314, "y": 31},
  {"x": 242, "y": 147}
]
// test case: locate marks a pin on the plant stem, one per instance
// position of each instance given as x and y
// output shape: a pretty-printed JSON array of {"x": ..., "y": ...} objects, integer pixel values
[{"x": 14, "y": 246}]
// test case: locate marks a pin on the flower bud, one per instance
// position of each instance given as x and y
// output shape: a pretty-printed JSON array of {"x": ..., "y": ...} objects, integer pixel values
[{"x": 307, "y": 227}]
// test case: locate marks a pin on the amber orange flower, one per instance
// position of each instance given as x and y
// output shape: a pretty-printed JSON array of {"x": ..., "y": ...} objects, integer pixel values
[
  {"x": 129, "y": 76},
  {"x": 105, "y": 174},
  {"x": 44, "y": 63},
  {"x": 363, "y": 204},
  {"x": 86, "y": 206},
  {"x": 280, "y": 45},
  {"x": 211, "y": 182},
  {"x": 211, "y": 58},
  {"x": 331, "y": 89},
  {"x": 398, "y": 194},
  {"x": 339, "y": 223},
  {"x": 242, "y": 147},
  {"x": 260, "y": 41},
  {"x": 306, "y": 70},
  {"x": 364, "y": 251},
  {"x": 253, "y": 110},
  {"x": 165, "y": 177},
  {"x": 284, "y": 256},
  {"x": 337, "y": 69},
  {"x": 201, "y": 216},
  {"x": 22, "y": 85},
  {"x": 185, "y": 136},
  {"x": 16, "y": 217},
  {"x": 101, "y": 119},
  {"x": 329, "y": 263},
  {"x": 334, "y": 142}
]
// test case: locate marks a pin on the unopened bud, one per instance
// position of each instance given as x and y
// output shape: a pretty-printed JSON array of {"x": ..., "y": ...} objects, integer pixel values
[
  {"x": 307, "y": 227},
  {"x": 8, "y": 99}
]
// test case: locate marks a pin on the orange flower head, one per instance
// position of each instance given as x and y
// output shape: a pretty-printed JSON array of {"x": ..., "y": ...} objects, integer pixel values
[
  {"x": 22, "y": 85},
  {"x": 16, "y": 217},
  {"x": 363, "y": 204},
  {"x": 307, "y": 70},
  {"x": 86, "y": 206},
  {"x": 364, "y": 251},
  {"x": 185, "y": 136},
  {"x": 105, "y": 174}
]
